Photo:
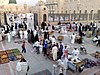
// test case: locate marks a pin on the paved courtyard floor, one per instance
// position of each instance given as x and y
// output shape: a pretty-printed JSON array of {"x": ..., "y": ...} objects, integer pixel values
[{"x": 39, "y": 63}]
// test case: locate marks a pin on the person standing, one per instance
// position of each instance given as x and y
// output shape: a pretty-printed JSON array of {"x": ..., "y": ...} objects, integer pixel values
[
  {"x": 15, "y": 26},
  {"x": 45, "y": 34},
  {"x": 54, "y": 52},
  {"x": 22, "y": 67},
  {"x": 29, "y": 36},
  {"x": 21, "y": 34},
  {"x": 32, "y": 36},
  {"x": 36, "y": 37},
  {"x": 25, "y": 34},
  {"x": 62, "y": 30},
  {"x": 35, "y": 32},
  {"x": 9, "y": 37},
  {"x": 73, "y": 38},
  {"x": 23, "y": 47},
  {"x": 80, "y": 30},
  {"x": 45, "y": 47},
  {"x": 11, "y": 28},
  {"x": 53, "y": 28},
  {"x": 65, "y": 60},
  {"x": 25, "y": 25},
  {"x": 60, "y": 50},
  {"x": 53, "y": 40}
]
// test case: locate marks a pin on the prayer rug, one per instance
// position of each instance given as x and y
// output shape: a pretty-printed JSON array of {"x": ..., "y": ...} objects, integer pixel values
[{"x": 10, "y": 55}]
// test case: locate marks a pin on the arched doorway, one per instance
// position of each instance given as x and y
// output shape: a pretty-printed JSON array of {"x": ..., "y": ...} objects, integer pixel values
[{"x": 44, "y": 17}]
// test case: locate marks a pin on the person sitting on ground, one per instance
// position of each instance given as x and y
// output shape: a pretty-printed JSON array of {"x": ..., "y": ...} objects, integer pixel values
[
  {"x": 75, "y": 52},
  {"x": 83, "y": 49},
  {"x": 95, "y": 38},
  {"x": 96, "y": 54}
]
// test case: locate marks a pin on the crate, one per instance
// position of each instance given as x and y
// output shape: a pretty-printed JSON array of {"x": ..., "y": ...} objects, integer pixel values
[
  {"x": 15, "y": 50},
  {"x": 5, "y": 60},
  {"x": 8, "y": 51},
  {"x": 4, "y": 56},
  {"x": 2, "y": 53},
  {"x": 51, "y": 32},
  {"x": 60, "y": 38},
  {"x": 17, "y": 53},
  {"x": 19, "y": 56}
]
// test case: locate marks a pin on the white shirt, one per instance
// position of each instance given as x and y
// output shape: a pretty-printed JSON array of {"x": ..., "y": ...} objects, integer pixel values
[
  {"x": 35, "y": 32},
  {"x": 22, "y": 66},
  {"x": 75, "y": 52}
]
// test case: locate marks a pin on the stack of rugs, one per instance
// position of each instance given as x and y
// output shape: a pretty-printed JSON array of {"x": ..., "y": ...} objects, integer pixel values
[
  {"x": 90, "y": 63},
  {"x": 10, "y": 55}
]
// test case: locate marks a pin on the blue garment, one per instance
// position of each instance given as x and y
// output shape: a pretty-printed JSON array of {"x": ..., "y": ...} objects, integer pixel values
[{"x": 45, "y": 45}]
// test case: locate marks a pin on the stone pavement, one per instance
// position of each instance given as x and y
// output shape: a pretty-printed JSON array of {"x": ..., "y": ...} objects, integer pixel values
[{"x": 39, "y": 63}]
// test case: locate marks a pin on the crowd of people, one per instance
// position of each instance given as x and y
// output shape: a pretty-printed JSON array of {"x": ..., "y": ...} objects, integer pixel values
[{"x": 58, "y": 49}]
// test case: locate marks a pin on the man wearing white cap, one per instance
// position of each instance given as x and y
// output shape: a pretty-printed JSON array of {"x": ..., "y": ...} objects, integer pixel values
[{"x": 75, "y": 52}]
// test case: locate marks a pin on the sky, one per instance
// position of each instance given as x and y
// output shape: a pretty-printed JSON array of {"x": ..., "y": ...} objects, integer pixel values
[{"x": 29, "y": 2}]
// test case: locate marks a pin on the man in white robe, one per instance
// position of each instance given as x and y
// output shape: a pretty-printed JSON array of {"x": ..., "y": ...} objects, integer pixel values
[
  {"x": 75, "y": 52},
  {"x": 53, "y": 39},
  {"x": 54, "y": 52},
  {"x": 13, "y": 33},
  {"x": 5, "y": 27},
  {"x": 73, "y": 38},
  {"x": 21, "y": 34},
  {"x": 35, "y": 32},
  {"x": 62, "y": 30},
  {"x": 25, "y": 34},
  {"x": 9, "y": 37}
]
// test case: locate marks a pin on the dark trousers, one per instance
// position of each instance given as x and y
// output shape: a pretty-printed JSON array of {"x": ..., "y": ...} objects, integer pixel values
[
  {"x": 37, "y": 49},
  {"x": 45, "y": 51},
  {"x": 23, "y": 50}
]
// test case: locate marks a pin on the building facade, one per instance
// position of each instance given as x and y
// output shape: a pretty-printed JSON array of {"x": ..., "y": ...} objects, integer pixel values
[
  {"x": 73, "y": 10},
  {"x": 39, "y": 11}
]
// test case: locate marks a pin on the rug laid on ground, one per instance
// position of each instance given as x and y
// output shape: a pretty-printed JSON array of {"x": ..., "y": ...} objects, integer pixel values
[
  {"x": 10, "y": 55},
  {"x": 44, "y": 72}
]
